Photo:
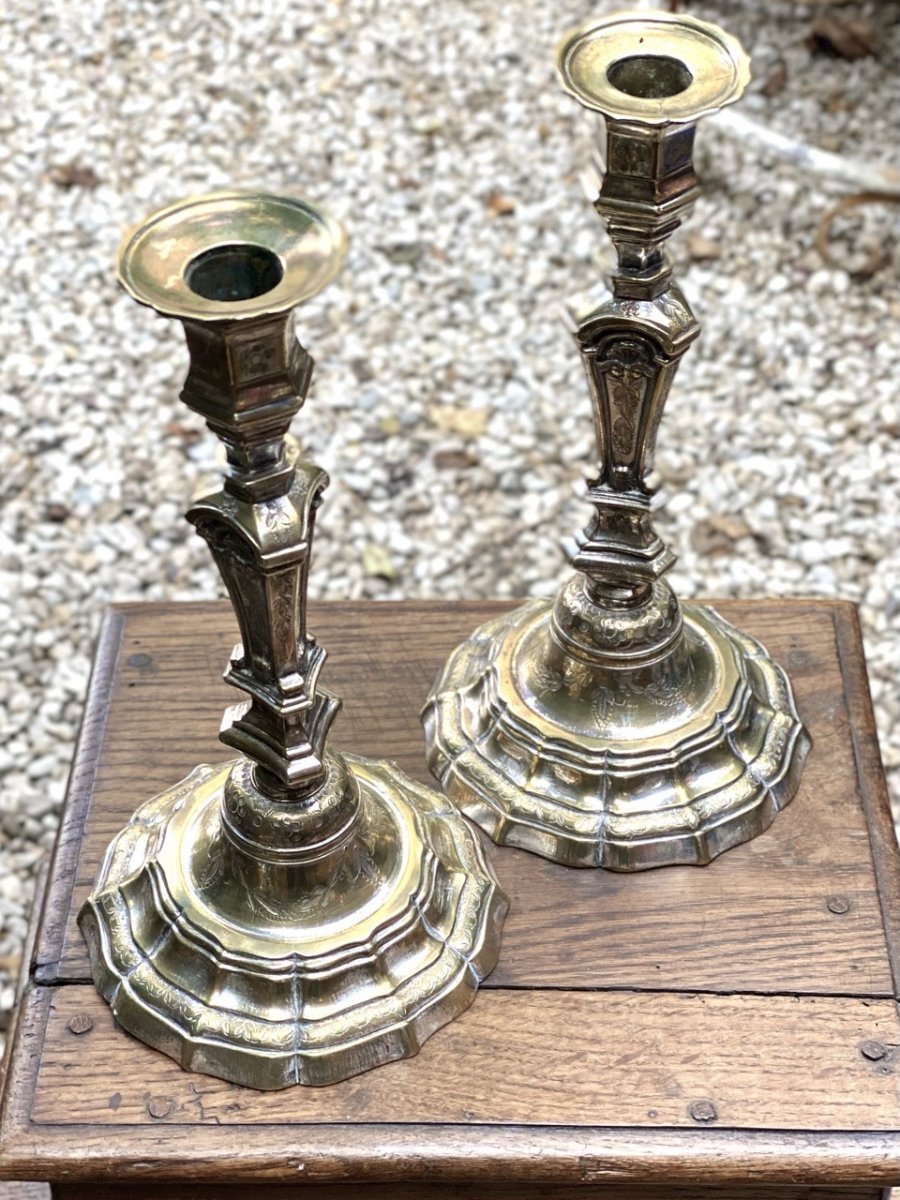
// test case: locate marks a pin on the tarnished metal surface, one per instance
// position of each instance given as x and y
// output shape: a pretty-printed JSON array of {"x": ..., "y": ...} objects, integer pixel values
[
  {"x": 297, "y": 915},
  {"x": 613, "y": 726}
]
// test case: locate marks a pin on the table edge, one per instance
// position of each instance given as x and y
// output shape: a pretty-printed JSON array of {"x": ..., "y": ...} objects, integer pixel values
[
  {"x": 870, "y": 774},
  {"x": 414, "y": 1154},
  {"x": 53, "y": 914}
]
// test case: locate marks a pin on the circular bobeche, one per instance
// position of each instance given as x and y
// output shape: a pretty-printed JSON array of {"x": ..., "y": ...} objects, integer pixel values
[
  {"x": 653, "y": 67},
  {"x": 231, "y": 255}
]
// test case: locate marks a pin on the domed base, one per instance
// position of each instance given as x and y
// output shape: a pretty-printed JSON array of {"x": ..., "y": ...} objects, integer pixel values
[
  {"x": 671, "y": 755},
  {"x": 304, "y": 970}
]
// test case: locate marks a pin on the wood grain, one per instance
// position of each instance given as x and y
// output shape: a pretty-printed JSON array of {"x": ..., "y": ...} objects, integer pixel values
[
  {"x": 206, "y": 1149},
  {"x": 482, "y": 1191},
  {"x": 67, "y": 849},
  {"x": 523, "y": 1058},
  {"x": 872, "y": 782},
  {"x": 619, "y": 1002},
  {"x": 757, "y": 920},
  {"x": 362, "y": 1155}
]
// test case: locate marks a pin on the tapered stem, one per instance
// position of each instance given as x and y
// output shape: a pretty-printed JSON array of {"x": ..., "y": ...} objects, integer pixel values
[
  {"x": 652, "y": 76},
  {"x": 232, "y": 267},
  {"x": 631, "y": 346},
  {"x": 248, "y": 379}
]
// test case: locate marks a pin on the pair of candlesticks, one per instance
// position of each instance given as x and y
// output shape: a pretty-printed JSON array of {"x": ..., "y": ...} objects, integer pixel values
[{"x": 300, "y": 914}]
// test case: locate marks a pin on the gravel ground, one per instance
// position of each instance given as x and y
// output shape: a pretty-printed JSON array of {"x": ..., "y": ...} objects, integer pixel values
[{"x": 449, "y": 404}]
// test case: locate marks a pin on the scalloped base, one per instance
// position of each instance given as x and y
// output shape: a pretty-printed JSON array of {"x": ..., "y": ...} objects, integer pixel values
[
  {"x": 626, "y": 769},
  {"x": 301, "y": 980}
]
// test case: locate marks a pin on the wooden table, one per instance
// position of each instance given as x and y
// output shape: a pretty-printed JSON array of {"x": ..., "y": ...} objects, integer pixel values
[{"x": 726, "y": 1030}]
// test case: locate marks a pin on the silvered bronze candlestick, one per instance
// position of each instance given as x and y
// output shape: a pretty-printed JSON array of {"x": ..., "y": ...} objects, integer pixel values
[
  {"x": 296, "y": 915},
  {"x": 613, "y": 726}
]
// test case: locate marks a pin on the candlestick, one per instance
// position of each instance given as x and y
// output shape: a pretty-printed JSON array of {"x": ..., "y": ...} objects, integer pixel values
[
  {"x": 299, "y": 914},
  {"x": 613, "y": 726}
]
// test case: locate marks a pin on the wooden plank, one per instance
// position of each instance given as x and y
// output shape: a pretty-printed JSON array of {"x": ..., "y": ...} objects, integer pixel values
[
  {"x": 576, "y": 1059},
  {"x": 162, "y": 1150},
  {"x": 872, "y": 782},
  {"x": 543, "y": 1158},
  {"x": 89, "y": 744},
  {"x": 159, "y": 1150},
  {"x": 478, "y": 1191},
  {"x": 757, "y": 920}
]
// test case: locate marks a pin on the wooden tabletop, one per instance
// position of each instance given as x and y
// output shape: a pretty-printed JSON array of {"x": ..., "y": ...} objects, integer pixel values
[{"x": 736, "y": 1022}]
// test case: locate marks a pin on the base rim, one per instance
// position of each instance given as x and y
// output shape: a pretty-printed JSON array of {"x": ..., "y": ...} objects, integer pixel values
[
  {"x": 477, "y": 722},
  {"x": 448, "y": 949}
]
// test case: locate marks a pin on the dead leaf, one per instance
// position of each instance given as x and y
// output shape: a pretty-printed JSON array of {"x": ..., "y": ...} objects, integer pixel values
[
  {"x": 777, "y": 81},
  {"x": 186, "y": 434},
  {"x": 406, "y": 254},
  {"x": 378, "y": 562},
  {"x": 717, "y": 534},
  {"x": 75, "y": 175},
  {"x": 469, "y": 422},
  {"x": 845, "y": 37},
  {"x": 390, "y": 425},
  {"x": 702, "y": 249},
  {"x": 500, "y": 206},
  {"x": 454, "y": 460},
  {"x": 731, "y": 526},
  {"x": 880, "y": 254}
]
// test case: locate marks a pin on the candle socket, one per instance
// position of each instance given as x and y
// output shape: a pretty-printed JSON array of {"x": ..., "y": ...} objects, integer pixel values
[
  {"x": 296, "y": 915},
  {"x": 613, "y": 726}
]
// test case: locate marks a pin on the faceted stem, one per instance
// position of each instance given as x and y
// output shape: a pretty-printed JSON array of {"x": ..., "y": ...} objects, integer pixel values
[
  {"x": 631, "y": 346},
  {"x": 248, "y": 379}
]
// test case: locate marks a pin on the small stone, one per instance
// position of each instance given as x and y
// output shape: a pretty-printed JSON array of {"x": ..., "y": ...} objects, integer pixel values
[
  {"x": 454, "y": 460},
  {"x": 404, "y": 253},
  {"x": 42, "y": 766},
  {"x": 390, "y": 425},
  {"x": 466, "y": 421}
]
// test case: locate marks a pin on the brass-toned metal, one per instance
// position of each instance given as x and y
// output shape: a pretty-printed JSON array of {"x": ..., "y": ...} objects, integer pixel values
[
  {"x": 296, "y": 915},
  {"x": 612, "y": 726}
]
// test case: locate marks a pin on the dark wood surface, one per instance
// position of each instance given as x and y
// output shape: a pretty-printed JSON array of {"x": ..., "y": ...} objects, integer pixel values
[
  {"x": 522, "y": 1057},
  {"x": 759, "y": 921},
  {"x": 619, "y": 1001},
  {"x": 478, "y": 1191}
]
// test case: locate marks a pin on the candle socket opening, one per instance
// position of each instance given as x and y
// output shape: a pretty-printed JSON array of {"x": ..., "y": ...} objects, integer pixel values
[
  {"x": 234, "y": 272},
  {"x": 649, "y": 76}
]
